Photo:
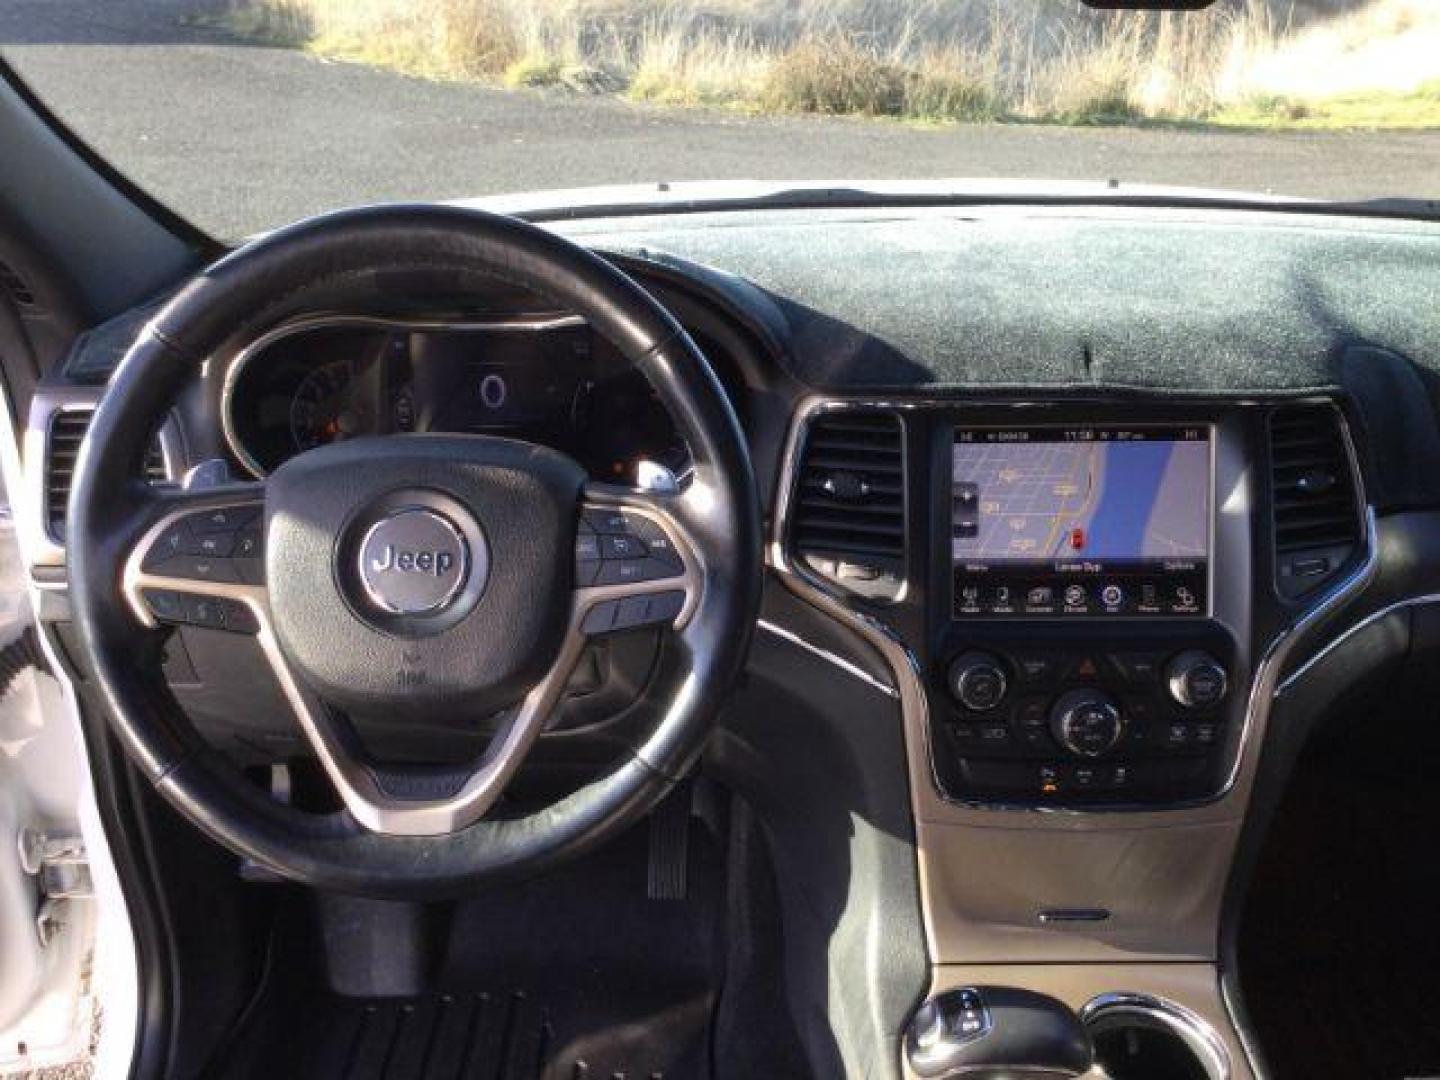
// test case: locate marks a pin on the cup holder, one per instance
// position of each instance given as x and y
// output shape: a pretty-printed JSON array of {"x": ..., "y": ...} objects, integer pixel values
[{"x": 1138, "y": 1037}]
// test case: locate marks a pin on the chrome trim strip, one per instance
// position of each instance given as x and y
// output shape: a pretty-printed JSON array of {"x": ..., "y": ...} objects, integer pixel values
[
  {"x": 1191, "y": 1028},
  {"x": 538, "y": 322},
  {"x": 41, "y": 549},
  {"x": 853, "y": 670},
  {"x": 1345, "y": 635}
]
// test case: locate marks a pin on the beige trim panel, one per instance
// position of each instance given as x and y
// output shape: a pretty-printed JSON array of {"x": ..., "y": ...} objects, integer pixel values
[{"x": 1163, "y": 888}]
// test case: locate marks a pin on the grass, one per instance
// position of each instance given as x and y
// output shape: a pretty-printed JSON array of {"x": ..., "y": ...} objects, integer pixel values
[
  {"x": 1253, "y": 63},
  {"x": 1372, "y": 110}
]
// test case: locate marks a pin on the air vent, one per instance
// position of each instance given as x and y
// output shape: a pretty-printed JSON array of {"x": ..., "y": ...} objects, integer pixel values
[
  {"x": 849, "y": 517},
  {"x": 62, "y": 447},
  {"x": 1315, "y": 512}
]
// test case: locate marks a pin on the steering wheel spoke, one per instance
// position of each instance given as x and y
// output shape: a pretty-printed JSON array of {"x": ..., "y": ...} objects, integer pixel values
[{"x": 416, "y": 800}]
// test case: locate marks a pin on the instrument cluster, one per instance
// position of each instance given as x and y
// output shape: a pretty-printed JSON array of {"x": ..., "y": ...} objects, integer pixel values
[{"x": 545, "y": 379}]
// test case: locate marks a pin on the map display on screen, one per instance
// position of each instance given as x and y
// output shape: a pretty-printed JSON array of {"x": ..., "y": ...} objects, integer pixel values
[{"x": 1093, "y": 520}]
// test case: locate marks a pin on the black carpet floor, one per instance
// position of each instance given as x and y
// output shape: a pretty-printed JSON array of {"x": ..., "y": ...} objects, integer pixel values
[
  {"x": 576, "y": 975},
  {"x": 1340, "y": 944}
]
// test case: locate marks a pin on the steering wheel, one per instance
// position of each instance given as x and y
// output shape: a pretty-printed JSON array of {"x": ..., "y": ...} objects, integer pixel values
[{"x": 412, "y": 575}]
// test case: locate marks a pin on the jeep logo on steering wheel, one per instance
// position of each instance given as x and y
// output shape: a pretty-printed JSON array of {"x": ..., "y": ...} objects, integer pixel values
[
  {"x": 413, "y": 561},
  {"x": 404, "y": 561}
]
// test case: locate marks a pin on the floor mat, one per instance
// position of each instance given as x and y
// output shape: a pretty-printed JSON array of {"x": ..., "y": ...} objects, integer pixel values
[{"x": 576, "y": 975}]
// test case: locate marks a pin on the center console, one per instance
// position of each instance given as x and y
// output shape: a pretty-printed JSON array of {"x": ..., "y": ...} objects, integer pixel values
[
  {"x": 1084, "y": 607},
  {"x": 1079, "y": 663}
]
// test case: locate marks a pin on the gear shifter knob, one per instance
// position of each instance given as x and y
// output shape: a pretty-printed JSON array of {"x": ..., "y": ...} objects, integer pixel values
[{"x": 997, "y": 1033}]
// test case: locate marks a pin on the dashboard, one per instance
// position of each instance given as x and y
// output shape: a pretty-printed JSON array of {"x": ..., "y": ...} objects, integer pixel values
[
  {"x": 1045, "y": 568},
  {"x": 544, "y": 377}
]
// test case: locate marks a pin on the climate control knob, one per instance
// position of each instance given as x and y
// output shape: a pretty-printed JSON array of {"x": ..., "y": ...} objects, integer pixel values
[
  {"x": 1087, "y": 722},
  {"x": 1196, "y": 680},
  {"x": 978, "y": 681}
]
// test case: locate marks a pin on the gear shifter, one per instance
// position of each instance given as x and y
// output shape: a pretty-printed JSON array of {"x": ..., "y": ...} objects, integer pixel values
[{"x": 997, "y": 1033}]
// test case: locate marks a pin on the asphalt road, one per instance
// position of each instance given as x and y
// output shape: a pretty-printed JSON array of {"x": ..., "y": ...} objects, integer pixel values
[{"x": 241, "y": 137}]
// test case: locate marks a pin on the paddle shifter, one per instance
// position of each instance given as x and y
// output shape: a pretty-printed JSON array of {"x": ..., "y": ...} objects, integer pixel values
[{"x": 997, "y": 1033}]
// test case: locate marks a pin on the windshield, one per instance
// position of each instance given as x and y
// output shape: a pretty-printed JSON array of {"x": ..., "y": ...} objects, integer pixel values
[{"x": 246, "y": 114}]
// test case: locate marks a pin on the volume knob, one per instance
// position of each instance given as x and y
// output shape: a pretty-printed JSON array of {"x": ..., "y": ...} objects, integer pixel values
[
  {"x": 1087, "y": 722},
  {"x": 977, "y": 680}
]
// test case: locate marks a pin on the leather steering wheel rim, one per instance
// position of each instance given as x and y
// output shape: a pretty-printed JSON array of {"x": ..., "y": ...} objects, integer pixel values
[{"x": 321, "y": 264}]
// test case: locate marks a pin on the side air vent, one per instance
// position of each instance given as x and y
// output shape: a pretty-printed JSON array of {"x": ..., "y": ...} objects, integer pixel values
[
  {"x": 849, "y": 515},
  {"x": 62, "y": 447},
  {"x": 1316, "y": 515}
]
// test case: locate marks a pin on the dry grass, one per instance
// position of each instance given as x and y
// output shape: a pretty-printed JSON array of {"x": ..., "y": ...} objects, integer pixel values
[{"x": 1265, "y": 62}]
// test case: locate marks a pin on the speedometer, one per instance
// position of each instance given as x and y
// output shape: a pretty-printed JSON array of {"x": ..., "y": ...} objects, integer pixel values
[{"x": 326, "y": 407}]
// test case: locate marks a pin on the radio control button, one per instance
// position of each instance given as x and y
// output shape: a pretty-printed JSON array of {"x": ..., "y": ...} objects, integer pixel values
[
  {"x": 1035, "y": 668},
  {"x": 1177, "y": 735},
  {"x": 1083, "y": 668},
  {"x": 995, "y": 734},
  {"x": 1136, "y": 667},
  {"x": 1032, "y": 713}
]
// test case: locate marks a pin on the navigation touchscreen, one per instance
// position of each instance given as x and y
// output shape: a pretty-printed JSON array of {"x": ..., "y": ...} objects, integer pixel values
[{"x": 1081, "y": 521}]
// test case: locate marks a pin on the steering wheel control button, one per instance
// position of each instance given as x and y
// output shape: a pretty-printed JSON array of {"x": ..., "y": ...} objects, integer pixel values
[
  {"x": 978, "y": 681},
  {"x": 1086, "y": 722},
  {"x": 175, "y": 540},
  {"x": 214, "y": 545},
  {"x": 250, "y": 556},
  {"x": 198, "y": 568},
  {"x": 656, "y": 540},
  {"x": 164, "y": 604},
  {"x": 1196, "y": 680},
  {"x": 607, "y": 521},
  {"x": 633, "y": 571},
  {"x": 414, "y": 561},
  {"x": 587, "y": 547},
  {"x": 630, "y": 548},
  {"x": 630, "y": 612},
  {"x": 622, "y": 546},
  {"x": 223, "y": 519},
  {"x": 206, "y": 611},
  {"x": 239, "y": 618}
]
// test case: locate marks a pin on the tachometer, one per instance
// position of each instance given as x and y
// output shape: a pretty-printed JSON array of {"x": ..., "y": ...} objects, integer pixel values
[{"x": 327, "y": 407}]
